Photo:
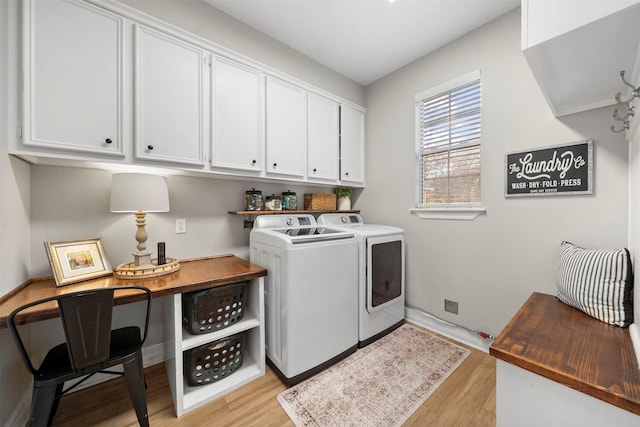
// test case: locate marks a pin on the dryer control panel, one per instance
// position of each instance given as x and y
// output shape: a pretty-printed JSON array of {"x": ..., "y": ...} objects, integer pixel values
[{"x": 339, "y": 219}]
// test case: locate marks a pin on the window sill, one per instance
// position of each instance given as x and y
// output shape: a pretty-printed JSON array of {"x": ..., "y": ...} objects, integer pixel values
[{"x": 454, "y": 213}]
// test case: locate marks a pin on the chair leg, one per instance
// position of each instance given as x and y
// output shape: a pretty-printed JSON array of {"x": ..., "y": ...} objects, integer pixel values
[
  {"x": 42, "y": 402},
  {"x": 56, "y": 402},
  {"x": 134, "y": 374}
]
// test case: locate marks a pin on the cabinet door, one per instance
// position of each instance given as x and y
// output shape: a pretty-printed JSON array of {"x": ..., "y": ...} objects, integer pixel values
[
  {"x": 351, "y": 145},
  {"x": 169, "y": 81},
  {"x": 237, "y": 125},
  {"x": 323, "y": 138},
  {"x": 74, "y": 64},
  {"x": 546, "y": 20},
  {"x": 286, "y": 128}
]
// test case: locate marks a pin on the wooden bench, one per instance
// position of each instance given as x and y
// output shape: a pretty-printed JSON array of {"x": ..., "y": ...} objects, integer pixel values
[{"x": 558, "y": 342}]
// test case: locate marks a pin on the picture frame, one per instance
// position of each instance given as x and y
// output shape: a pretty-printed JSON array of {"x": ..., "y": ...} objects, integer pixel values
[
  {"x": 558, "y": 170},
  {"x": 74, "y": 261}
]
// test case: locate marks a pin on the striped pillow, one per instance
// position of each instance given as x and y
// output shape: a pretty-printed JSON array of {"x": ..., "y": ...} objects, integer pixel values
[{"x": 598, "y": 282}]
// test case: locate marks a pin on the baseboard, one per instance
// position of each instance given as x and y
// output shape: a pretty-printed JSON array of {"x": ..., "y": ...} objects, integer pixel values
[
  {"x": 634, "y": 331},
  {"x": 447, "y": 329},
  {"x": 151, "y": 355},
  {"x": 20, "y": 414}
]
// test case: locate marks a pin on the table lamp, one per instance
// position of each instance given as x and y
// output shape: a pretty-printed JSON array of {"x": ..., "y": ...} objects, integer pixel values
[{"x": 140, "y": 193}]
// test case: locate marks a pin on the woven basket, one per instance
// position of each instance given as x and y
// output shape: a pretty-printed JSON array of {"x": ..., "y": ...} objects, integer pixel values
[{"x": 319, "y": 201}]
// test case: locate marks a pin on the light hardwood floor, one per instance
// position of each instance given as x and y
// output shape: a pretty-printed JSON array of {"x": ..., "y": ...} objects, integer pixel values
[{"x": 466, "y": 398}]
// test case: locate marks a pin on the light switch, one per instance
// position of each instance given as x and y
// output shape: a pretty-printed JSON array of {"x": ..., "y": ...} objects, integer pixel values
[{"x": 181, "y": 226}]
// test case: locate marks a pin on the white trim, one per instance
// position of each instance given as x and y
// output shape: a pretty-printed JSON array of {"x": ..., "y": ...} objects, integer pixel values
[
  {"x": 151, "y": 355},
  {"x": 21, "y": 414},
  {"x": 447, "y": 86},
  {"x": 443, "y": 90},
  {"x": 634, "y": 331},
  {"x": 447, "y": 329},
  {"x": 454, "y": 213}
]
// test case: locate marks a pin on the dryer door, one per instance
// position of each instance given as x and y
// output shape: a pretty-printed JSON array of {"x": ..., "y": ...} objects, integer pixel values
[{"x": 385, "y": 271}]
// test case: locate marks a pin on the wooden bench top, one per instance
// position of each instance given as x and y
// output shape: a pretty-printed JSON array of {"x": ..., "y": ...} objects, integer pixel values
[{"x": 563, "y": 344}]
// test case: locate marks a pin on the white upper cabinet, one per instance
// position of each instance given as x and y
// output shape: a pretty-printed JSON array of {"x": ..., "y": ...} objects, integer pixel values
[
  {"x": 546, "y": 20},
  {"x": 286, "y": 118},
  {"x": 323, "y": 138},
  {"x": 576, "y": 50},
  {"x": 237, "y": 127},
  {"x": 104, "y": 83},
  {"x": 351, "y": 145},
  {"x": 169, "y": 98},
  {"x": 74, "y": 62}
]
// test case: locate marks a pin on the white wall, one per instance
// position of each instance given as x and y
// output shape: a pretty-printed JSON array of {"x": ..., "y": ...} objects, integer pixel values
[
  {"x": 490, "y": 265},
  {"x": 14, "y": 217},
  {"x": 72, "y": 203}
]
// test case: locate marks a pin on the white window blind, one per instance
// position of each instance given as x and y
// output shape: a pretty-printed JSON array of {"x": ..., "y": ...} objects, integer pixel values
[{"x": 448, "y": 133}]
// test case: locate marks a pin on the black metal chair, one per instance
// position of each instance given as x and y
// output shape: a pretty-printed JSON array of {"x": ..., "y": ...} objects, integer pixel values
[{"x": 92, "y": 345}]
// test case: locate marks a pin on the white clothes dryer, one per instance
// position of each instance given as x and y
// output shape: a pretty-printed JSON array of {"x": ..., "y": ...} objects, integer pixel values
[
  {"x": 381, "y": 274},
  {"x": 311, "y": 293}
]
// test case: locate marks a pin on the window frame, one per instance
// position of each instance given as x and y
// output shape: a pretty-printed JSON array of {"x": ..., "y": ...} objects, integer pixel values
[{"x": 459, "y": 211}]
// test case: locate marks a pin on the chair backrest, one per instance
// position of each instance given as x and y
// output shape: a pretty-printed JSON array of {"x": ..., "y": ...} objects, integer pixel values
[{"x": 86, "y": 318}]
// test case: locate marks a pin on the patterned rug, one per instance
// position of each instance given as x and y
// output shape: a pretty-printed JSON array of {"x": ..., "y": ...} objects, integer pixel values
[{"x": 379, "y": 385}]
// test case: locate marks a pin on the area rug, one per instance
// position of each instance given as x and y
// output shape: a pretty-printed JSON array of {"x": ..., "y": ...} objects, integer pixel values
[{"x": 379, "y": 385}]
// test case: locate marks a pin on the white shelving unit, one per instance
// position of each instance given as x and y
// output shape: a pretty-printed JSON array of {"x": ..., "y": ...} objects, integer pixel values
[{"x": 178, "y": 340}]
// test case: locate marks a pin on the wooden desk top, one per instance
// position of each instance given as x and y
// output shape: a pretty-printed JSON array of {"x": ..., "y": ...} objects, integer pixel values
[
  {"x": 563, "y": 344},
  {"x": 194, "y": 274}
]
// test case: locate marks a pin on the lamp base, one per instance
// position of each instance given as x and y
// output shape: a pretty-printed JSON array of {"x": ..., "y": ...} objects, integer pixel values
[
  {"x": 141, "y": 259},
  {"x": 130, "y": 270}
]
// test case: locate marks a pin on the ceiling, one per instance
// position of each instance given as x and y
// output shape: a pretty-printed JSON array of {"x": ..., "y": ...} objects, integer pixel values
[{"x": 364, "y": 40}]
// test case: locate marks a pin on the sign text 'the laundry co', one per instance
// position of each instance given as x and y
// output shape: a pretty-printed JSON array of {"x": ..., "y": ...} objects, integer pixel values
[{"x": 557, "y": 170}]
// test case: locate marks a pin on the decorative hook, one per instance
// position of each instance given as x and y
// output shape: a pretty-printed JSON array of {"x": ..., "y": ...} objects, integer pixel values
[
  {"x": 633, "y": 88},
  {"x": 635, "y": 92},
  {"x": 630, "y": 113},
  {"x": 624, "y": 127}
]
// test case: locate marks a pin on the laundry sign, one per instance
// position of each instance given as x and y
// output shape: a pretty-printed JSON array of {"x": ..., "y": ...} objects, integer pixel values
[{"x": 557, "y": 170}]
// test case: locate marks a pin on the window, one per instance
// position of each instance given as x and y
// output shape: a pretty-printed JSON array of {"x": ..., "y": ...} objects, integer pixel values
[{"x": 448, "y": 136}]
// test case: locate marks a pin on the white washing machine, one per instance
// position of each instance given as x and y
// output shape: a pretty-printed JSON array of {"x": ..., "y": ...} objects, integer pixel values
[
  {"x": 311, "y": 293},
  {"x": 381, "y": 274}
]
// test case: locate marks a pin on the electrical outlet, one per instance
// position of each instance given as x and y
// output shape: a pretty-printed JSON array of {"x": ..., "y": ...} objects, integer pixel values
[
  {"x": 181, "y": 226},
  {"x": 450, "y": 306}
]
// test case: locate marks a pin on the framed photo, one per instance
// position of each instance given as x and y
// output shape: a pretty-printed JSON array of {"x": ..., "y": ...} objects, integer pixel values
[{"x": 77, "y": 260}]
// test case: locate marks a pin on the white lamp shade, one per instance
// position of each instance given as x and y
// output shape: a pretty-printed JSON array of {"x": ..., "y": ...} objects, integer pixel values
[{"x": 132, "y": 192}]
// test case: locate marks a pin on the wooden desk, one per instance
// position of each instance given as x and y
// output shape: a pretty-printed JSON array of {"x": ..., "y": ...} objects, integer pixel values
[
  {"x": 562, "y": 344},
  {"x": 194, "y": 274}
]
